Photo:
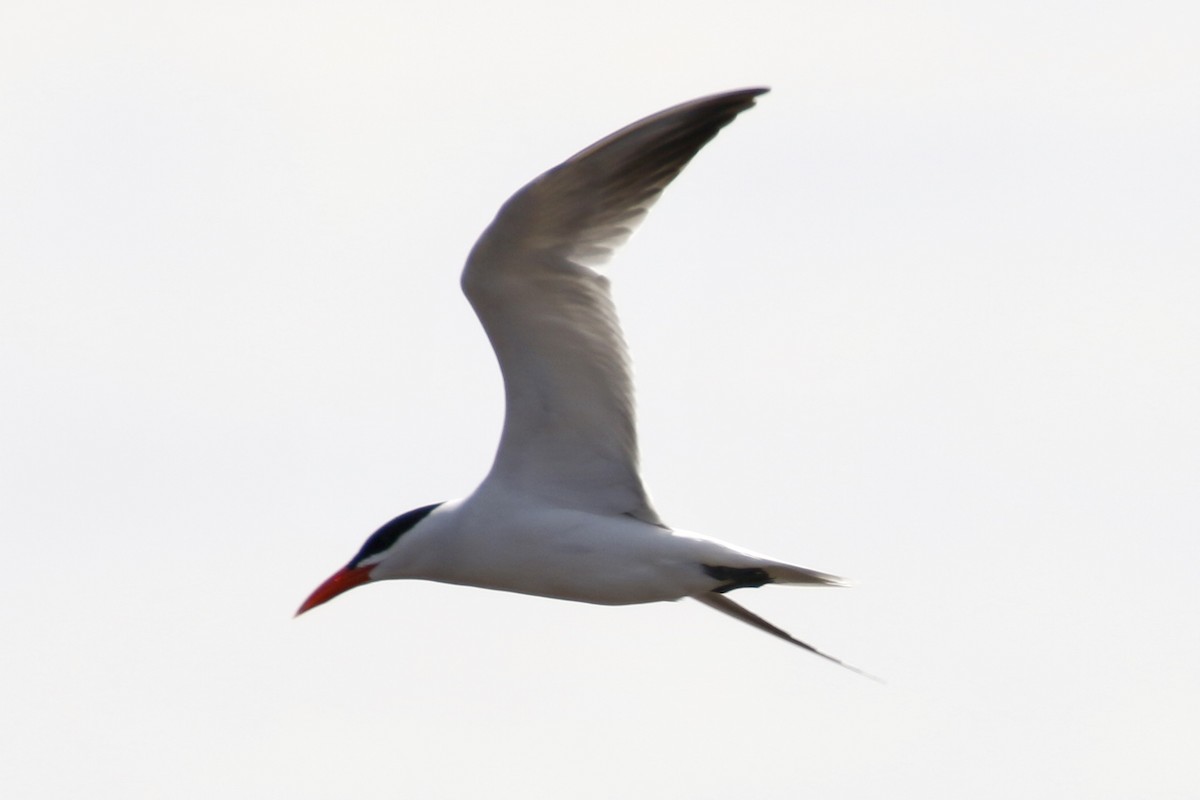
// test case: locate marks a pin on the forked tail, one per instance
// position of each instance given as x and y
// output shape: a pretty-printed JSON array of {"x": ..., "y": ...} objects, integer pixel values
[
  {"x": 764, "y": 572},
  {"x": 790, "y": 573},
  {"x": 723, "y": 604}
]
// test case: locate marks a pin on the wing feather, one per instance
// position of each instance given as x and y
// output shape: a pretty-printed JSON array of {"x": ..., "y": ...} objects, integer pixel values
[{"x": 569, "y": 435}]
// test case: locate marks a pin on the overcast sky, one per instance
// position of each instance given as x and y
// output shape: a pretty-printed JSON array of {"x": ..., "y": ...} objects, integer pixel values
[{"x": 927, "y": 317}]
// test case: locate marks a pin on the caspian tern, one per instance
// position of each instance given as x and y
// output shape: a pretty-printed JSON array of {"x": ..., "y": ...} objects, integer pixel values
[{"x": 563, "y": 512}]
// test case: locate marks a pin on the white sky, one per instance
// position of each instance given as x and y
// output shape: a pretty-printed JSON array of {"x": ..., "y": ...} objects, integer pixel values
[{"x": 926, "y": 317}]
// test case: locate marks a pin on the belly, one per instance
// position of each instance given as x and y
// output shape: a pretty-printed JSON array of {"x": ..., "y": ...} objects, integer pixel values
[{"x": 581, "y": 557}]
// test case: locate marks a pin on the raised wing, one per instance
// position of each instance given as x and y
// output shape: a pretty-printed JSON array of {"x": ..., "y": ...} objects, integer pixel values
[{"x": 569, "y": 435}]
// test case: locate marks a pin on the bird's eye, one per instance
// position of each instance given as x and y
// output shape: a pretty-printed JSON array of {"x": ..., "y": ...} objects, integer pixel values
[{"x": 382, "y": 539}]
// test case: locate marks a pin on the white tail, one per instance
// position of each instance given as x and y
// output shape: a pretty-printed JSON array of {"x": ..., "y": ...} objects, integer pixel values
[
  {"x": 790, "y": 573},
  {"x": 726, "y": 606}
]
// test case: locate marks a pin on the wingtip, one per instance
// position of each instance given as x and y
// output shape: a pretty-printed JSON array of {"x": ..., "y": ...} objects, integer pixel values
[
  {"x": 751, "y": 93},
  {"x": 742, "y": 98}
]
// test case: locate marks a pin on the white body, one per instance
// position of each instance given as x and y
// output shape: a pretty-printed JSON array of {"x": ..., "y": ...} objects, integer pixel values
[{"x": 498, "y": 540}]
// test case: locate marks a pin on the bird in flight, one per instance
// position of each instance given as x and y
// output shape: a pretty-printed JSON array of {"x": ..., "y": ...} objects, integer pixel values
[{"x": 563, "y": 512}]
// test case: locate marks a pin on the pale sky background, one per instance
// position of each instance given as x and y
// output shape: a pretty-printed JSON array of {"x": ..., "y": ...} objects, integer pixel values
[{"x": 928, "y": 316}]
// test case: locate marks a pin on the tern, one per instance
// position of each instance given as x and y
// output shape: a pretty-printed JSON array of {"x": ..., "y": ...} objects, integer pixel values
[{"x": 563, "y": 513}]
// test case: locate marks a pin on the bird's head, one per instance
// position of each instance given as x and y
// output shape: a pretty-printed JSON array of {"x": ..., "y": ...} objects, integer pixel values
[{"x": 374, "y": 551}]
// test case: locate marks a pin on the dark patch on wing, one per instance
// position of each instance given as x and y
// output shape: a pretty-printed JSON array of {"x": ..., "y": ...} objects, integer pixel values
[
  {"x": 386, "y": 536},
  {"x": 737, "y": 577}
]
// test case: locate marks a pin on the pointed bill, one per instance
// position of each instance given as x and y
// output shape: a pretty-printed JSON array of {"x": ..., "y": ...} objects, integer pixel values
[{"x": 341, "y": 581}]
